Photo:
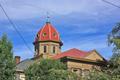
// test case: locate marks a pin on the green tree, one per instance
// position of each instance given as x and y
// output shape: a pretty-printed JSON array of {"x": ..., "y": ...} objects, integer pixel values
[
  {"x": 47, "y": 69},
  {"x": 112, "y": 70},
  {"x": 6, "y": 59},
  {"x": 114, "y": 38},
  {"x": 97, "y": 75}
]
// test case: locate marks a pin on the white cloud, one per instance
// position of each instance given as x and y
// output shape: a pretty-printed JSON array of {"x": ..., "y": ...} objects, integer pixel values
[
  {"x": 25, "y": 9},
  {"x": 76, "y": 13},
  {"x": 88, "y": 43}
]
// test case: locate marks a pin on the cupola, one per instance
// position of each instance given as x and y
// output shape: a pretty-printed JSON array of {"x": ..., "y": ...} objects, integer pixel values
[{"x": 47, "y": 41}]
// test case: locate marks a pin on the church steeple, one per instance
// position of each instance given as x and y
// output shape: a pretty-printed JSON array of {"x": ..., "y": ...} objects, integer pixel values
[{"x": 47, "y": 41}]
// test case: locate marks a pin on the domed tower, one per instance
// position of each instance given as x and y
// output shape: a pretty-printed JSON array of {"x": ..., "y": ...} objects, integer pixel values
[{"x": 47, "y": 42}]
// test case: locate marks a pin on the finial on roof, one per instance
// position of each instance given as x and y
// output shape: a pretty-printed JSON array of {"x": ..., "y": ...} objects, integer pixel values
[{"x": 48, "y": 18}]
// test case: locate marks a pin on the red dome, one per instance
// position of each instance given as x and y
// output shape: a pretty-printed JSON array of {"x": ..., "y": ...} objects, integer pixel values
[{"x": 48, "y": 33}]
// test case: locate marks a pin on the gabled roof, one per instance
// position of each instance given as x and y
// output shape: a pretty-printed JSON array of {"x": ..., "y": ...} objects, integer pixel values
[
  {"x": 91, "y": 53},
  {"x": 78, "y": 54},
  {"x": 23, "y": 65},
  {"x": 47, "y": 33},
  {"x": 75, "y": 53}
]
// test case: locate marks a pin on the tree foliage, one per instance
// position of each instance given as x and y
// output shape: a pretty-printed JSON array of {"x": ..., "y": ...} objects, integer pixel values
[
  {"x": 114, "y": 38},
  {"x": 47, "y": 69},
  {"x": 6, "y": 59},
  {"x": 112, "y": 70},
  {"x": 97, "y": 75},
  {"x": 115, "y": 60}
]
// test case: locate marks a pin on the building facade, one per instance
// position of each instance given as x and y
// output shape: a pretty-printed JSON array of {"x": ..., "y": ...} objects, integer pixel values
[{"x": 48, "y": 44}]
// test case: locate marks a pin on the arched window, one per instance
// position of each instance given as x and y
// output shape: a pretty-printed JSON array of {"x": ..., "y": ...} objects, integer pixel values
[
  {"x": 45, "y": 49},
  {"x": 53, "y": 49},
  {"x": 54, "y": 34}
]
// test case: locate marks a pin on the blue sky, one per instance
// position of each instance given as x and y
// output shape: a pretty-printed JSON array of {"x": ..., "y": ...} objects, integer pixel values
[{"x": 82, "y": 24}]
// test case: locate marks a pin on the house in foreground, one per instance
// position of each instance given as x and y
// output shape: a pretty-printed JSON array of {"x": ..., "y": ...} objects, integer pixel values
[{"x": 48, "y": 44}]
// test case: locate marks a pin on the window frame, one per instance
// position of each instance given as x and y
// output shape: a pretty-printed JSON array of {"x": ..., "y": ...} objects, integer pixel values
[
  {"x": 45, "y": 49},
  {"x": 54, "y": 49}
]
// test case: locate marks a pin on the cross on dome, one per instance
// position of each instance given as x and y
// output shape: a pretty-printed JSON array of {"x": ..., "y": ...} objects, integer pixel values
[{"x": 48, "y": 18}]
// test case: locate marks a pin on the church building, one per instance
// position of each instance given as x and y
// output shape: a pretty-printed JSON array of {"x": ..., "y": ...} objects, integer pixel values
[{"x": 47, "y": 44}]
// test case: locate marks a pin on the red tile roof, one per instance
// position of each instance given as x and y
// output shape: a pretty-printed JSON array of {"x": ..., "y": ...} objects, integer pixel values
[
  {"x": 48, "y": 32},
  {"x": 75, "y": 53}
]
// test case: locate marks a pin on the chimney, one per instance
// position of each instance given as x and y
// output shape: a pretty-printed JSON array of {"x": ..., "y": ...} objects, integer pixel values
[{"x": 17, "y": 59}]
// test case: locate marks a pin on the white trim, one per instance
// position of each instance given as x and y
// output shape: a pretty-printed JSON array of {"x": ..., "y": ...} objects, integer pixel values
[
  {"x": 57, "y": 34},
  {"x": 49, "y": 31}
]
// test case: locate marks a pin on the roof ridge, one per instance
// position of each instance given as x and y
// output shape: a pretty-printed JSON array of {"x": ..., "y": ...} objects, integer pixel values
[
  {"x": 24, "y": 60},
  {"x": 71, "y": 53}
]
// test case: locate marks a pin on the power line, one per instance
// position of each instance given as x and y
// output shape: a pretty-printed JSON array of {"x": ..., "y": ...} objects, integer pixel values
[
  {"x": 111, "y": 3},
  {"x": 14, "y": 26}
]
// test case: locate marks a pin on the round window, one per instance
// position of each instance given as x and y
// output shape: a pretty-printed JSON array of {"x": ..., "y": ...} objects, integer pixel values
[
  {"x": 44, "y": 34},
  {"x": 54, "y": 34}
]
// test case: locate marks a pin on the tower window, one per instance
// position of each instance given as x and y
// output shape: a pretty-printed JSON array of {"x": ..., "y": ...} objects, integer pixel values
[
  {"x": 37, "y": 35},
  {"x": 54, "y": 34},
  {"x": 45, "y": 49},
  {"x": 53, "y": 49},
  {"x": 44, "y": 34}
]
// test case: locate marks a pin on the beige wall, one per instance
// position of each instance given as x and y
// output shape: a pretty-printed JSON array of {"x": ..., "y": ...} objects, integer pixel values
[
  {"x": 49, "y": 47},
  {"x": 40, "y": 48},
  {"x": 22, "y": 76},
  {"x": 82, "y": 69},
  {"x": 94, "y": 56},
  {"x": 79, "y": 65}
]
